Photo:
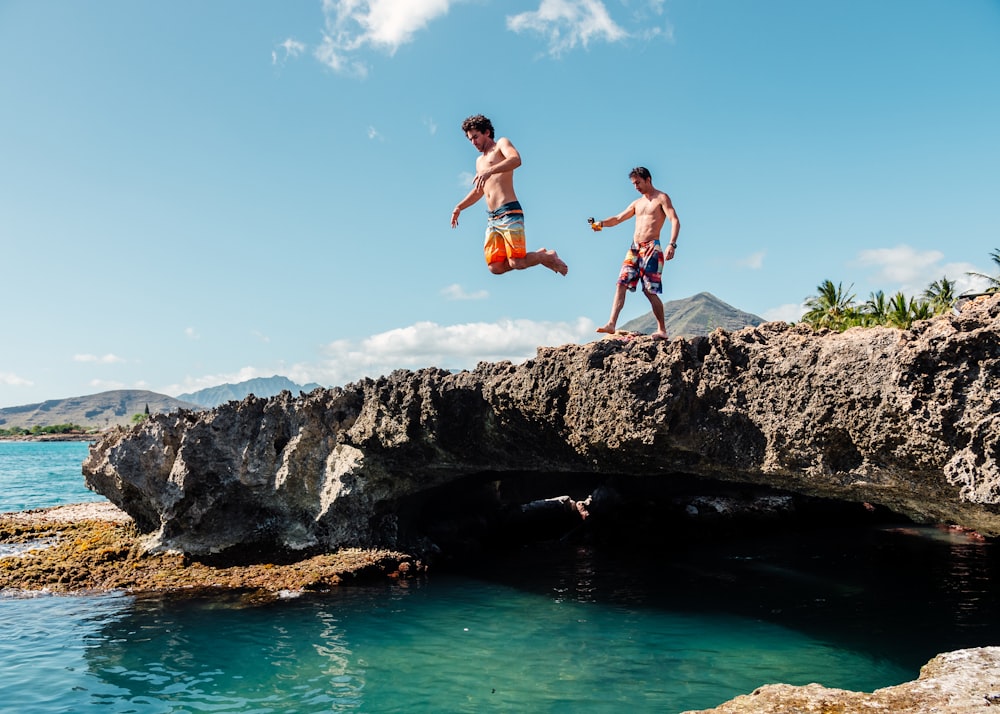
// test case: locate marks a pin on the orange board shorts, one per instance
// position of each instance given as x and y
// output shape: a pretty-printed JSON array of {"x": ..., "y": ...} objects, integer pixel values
[{"x": 505, "y": 234}]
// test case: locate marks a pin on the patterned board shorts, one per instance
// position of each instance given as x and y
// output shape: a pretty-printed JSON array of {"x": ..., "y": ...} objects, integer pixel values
[
  {"x": 505, "y": 234},
  {"x": 645, "y": 261}
]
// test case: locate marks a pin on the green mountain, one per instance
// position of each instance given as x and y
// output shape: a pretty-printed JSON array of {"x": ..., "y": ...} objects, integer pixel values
[{"x": 695, "y": 316}]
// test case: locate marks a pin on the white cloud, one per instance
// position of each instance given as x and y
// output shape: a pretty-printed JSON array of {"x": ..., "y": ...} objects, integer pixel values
[
  {"x": 191, "y": 333},
  {"x": 568, "y": 23},
  {"x": 457, "y": 292},
  {"x": 427, "y": 344},
  {"x": 790, "y": 312},
  {"x": 106, "y": 359},
  {"x": 754, "y": 261},
  {"x": 13, "y": 380},
  {"x": 373, "y": 133},
  {"x": 382, "y": 24},
  {"x": 910, "y": 271},
  {"x": 105, "y": 385},
  {"x": 431, "y": 125},
  {"x": 288, "y": 48}
]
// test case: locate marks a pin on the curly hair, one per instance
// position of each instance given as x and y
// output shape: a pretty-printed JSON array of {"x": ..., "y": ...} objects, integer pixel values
[{"x": 478, "y": 123}]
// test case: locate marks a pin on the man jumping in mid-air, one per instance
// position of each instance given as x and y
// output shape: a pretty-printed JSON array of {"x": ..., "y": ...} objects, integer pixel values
[
  {"x": 644, "y": 260},
  {"x": 505, "y": 245}
]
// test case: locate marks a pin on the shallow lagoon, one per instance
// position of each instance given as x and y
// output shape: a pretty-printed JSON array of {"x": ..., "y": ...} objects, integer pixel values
[{"x": 545, "y": 630}]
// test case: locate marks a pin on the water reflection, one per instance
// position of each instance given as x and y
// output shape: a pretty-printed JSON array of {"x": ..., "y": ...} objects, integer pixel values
[{"x": 213, "y": 654}]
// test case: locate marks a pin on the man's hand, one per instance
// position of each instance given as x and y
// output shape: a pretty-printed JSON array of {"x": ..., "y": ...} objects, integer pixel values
[
  {"x": 480, "y": 180},
  {"x": 454, "y": 217}
]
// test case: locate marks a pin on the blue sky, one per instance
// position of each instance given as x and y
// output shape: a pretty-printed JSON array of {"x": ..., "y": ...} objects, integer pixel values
[{"x": 194, "y": 193}]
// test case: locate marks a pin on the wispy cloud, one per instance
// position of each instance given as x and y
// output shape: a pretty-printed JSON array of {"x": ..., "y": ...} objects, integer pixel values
[
  {"x": 191, "y": 333},
  {"x": 903, "y": 268},
  {"x": 105, "y": 385},
  {"x": 373, "y": 133},
  {"x": 382, "y": 24},
  {"x": 105, "y": 359},
  {"x": 457, "y": 292},
  {"x": 288, "y": 49},
  {"x": 754, "y": 261},
  {"x": 789, "y": 312},
  {"x": 568, "y": 23},
  {"x": 13, "y": 380},
  {"x": 353, "y": 26}
]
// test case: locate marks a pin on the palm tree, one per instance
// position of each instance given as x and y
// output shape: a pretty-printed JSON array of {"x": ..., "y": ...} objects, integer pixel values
[
  {"x": 921, "y": 310},
  {"x": 876, "y": 308},
  {"x": 830, "y": 307},
  {"x": 940, "y": 296},
  {"x": 993, "y": 281},
  {"x": 899, "y": 313}
]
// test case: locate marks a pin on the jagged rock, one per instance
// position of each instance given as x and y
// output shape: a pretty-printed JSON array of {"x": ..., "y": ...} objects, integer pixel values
[
  {"x": 959, "y": 682},
  {"x": 904, "y": 419}
]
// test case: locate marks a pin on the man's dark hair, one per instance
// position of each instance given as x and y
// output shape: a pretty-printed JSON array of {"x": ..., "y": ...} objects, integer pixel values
[
  {"x": 640, "y": 172},
  {"x": 478, "y": 123}
]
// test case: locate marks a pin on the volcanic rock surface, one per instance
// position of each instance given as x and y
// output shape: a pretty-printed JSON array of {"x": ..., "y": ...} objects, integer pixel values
[{"x": 907, "y": 420}]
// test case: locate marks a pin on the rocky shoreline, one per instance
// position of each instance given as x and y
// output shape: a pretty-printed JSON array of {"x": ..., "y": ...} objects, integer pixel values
[{"x": 95, "y": 547}]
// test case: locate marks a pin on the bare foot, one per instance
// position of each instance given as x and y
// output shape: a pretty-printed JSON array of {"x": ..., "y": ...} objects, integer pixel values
[
  {"x": 551, "y": 260},
  {"x": 608, "y": 329},
  {"x": 659, "y": 335}
]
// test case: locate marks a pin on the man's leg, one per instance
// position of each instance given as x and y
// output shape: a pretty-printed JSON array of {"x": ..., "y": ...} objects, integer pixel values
[
  {"x": 657, "y": 304},
  {"x": 549, "y": 258},
  {"x": 616, "y": 309}
]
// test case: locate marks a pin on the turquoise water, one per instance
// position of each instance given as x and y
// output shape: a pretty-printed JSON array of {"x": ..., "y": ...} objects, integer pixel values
[
  {"x": 567, "y": 630},
  {"x": 42, "y": 474}
]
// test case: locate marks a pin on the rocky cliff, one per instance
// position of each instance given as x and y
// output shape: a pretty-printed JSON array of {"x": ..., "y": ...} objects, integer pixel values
[{"x": 903, "y": 419}]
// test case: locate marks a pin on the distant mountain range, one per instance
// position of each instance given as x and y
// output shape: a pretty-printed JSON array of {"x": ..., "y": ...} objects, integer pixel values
[
  {"x": 697, "y": 315},
  {"x": 118, "y": 407},
  {"x": 261, "y": 386}
]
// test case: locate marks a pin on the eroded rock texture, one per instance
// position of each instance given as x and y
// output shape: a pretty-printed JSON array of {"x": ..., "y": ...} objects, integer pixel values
[
  {"x": 960, "y": 682},
  {"x": 904, "y": 419}
]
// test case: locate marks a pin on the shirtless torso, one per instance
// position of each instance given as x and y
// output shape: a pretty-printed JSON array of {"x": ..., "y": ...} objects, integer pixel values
[
  {"x": 495, "y": 173},
  {"x": 651, "y": 211}
]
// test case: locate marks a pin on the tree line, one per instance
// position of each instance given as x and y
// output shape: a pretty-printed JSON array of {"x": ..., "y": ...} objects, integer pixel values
[
  {"x": 835, "y": 307},
  {"x": 38, "y": 430}
]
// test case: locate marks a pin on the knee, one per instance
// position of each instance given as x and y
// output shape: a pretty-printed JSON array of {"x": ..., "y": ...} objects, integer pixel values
[{"x": 498, "y": 268}]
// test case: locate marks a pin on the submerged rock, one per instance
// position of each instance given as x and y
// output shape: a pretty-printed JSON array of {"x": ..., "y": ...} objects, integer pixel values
[{"x": 907, "y": 420}]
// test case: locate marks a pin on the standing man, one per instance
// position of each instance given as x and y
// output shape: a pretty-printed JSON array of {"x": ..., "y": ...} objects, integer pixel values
[
  {"x": 505, "y": 245},
  {"x": 644, "y": 260}
]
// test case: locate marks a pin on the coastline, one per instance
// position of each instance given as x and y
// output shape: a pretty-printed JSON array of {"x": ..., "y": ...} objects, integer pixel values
[
  {"x": 52, "y": 437},
  {"x": 95, "y": 547}
]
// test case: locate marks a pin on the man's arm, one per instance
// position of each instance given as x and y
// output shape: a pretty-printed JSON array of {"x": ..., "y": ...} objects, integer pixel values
[
  {"x": 511, "y": 160},
  {"x": 615, "y": 220},
  {"x": 671, "y": 214},
  {"x": 474, "y": 195},
  {"x": 675, "y": 225}
]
